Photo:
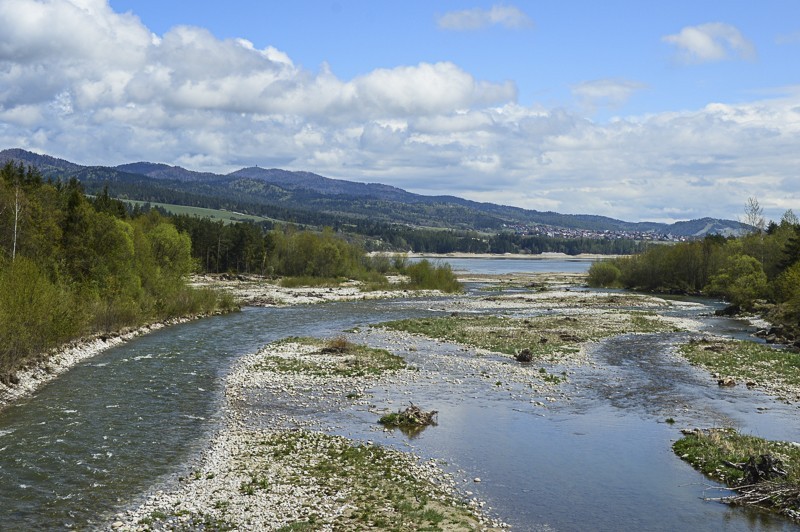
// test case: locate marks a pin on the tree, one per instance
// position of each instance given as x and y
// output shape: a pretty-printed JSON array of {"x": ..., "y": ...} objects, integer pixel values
[
  {"x": 741, "y": 281},
  {"x": 754, "y": 215}
]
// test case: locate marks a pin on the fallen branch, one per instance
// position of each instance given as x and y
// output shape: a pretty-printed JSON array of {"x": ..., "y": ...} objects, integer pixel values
[{"x": 412, "y": 416}]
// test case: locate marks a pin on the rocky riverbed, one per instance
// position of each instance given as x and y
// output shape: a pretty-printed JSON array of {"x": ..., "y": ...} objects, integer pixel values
[
  {"x": 273, "y": 468},
  {"x": 254, "y": 290},
  {"x": 291, "y": 473}
]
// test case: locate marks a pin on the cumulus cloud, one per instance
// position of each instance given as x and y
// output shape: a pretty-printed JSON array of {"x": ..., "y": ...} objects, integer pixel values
[
  {"x": 714, "y": 41},
  {"x": 99, "y": 88},
  {"x": 475, "y": 19}
]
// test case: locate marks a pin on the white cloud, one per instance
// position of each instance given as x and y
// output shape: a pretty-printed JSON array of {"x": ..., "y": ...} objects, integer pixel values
[
  {"x": 188, "y": 98},
  {"x": 714, "y": 41},
  {"x": 474, "y": 19}
]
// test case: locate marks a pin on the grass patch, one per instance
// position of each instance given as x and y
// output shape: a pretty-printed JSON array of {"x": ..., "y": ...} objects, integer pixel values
[
  {"x": 545, "y": 337},
  {"x": 376, "y": 488},
  {"x": 747, "y": 361},
  {"x": 383, "y": 485},
  {"x": 713, "y": 451},
  {"x": 334, "y": 357}
]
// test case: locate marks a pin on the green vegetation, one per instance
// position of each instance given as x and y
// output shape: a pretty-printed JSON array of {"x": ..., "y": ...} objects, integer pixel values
[
  {"x": 385, "y": 491},
  {"x": 70, "y": 266},
  {"x": 748, "y": 361},
  {"x": 425, "y": 276},
  {"x": 303, "y": 258},
  {"x": 723, "y": 454},
  {"x": 376, "y": 488},
  {"x": 335, "y": 357},
  {"x": 545, "y": 337},
  {"x": 760, "y": 271},
  {"x": 225, "y": 216}
]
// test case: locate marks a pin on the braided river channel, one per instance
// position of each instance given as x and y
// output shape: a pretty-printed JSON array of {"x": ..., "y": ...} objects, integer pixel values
[{"x": 100, "y": 437}]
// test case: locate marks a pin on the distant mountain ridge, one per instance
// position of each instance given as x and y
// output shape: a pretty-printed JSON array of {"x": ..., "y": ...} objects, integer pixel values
[{"x": 298, "y": 194}]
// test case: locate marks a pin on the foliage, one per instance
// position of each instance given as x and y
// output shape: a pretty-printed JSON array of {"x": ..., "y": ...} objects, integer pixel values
[
  {"x": 603, "y": 274},
  {"x": 760, "y": 268},
  {"x": 741, "y": 281},
  {"x": 425, "y": 276},
  {"x": 70, "y": 265},
  {"x": 35, "y": 314}
]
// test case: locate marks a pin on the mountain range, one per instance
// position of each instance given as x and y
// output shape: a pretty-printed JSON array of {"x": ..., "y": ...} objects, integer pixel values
[{"x": 306, "y": 197}]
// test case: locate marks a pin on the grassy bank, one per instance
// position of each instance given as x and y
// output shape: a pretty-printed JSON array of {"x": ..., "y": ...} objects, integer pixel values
[
  {"x": 717, "y": 452},
  {"x": 548, "y": 338},
  {"x": 748, "y": 362},
  {"x": 333, "y": 483},
  {"x": 329, "y": 358}
]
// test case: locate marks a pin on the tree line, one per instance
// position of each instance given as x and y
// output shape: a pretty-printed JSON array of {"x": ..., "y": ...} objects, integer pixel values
[
  {"x": 71, "y": 266},
  {"x": 759, "y": 271}
]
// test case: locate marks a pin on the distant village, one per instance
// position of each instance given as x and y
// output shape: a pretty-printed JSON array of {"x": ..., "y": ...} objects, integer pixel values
[{"x": 561, "y": 232}]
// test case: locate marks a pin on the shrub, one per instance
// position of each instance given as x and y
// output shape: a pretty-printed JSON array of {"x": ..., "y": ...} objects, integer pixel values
[
  {"x": 35, "y": 314},
  {"x": 424, "y": 276},
  {"x": 604, "y": 274}
]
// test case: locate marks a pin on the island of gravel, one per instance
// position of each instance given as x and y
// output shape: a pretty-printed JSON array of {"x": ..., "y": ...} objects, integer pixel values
[
  {"x": 293, "y": 476},
  {"x": 284, "y": 471}
]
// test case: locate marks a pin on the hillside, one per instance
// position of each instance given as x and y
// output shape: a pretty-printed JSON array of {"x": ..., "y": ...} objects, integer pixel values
[{"x": 309, "y": 198}]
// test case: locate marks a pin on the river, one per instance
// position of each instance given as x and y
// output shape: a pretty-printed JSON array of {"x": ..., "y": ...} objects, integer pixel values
[{"x": 100, "y": 436}]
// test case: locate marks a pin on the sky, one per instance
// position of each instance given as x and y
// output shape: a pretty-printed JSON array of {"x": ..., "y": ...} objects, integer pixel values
[{"x": 641, "y": 111}]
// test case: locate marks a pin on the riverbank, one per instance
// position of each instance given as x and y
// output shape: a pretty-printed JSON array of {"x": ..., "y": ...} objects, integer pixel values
[
  {"x": 294, "y": 476},
  {"x": 525, "y": 256},
  {"x": 246, "y": 290}
]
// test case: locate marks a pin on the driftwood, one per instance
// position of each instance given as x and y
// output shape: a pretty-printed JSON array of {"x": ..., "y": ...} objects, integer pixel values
[
  {"x": 412, "y": 416},
  {"x": 767, "y": 468},
  {"x": 524, "y": 355}
]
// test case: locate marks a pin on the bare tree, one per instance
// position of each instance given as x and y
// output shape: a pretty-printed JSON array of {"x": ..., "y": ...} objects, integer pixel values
[
  {"x": 754, "y": 215},
  {"x": 789, "y": 218}
]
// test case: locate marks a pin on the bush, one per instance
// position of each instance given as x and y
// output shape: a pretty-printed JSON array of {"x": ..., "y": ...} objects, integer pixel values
[
  {"x": 604, "y": 274},
  {"x": 741, "y": 281},
  {"x": 35, "y": 314},
  {"x": 424, "y": 276}
]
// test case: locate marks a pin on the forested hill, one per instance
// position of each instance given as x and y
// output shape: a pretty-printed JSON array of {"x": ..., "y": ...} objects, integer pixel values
[{"x": 310, "y": 198}]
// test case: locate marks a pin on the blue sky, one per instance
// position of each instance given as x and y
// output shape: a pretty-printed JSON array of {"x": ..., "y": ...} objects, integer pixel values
[{"x": 640, "y": 111}]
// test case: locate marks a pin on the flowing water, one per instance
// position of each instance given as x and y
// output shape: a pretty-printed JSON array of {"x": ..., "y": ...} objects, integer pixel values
[{"x": 106, "y": 432}]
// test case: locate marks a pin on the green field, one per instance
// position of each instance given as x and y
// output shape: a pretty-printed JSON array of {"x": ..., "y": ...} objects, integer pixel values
[{"x": 202, "y": 212}]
